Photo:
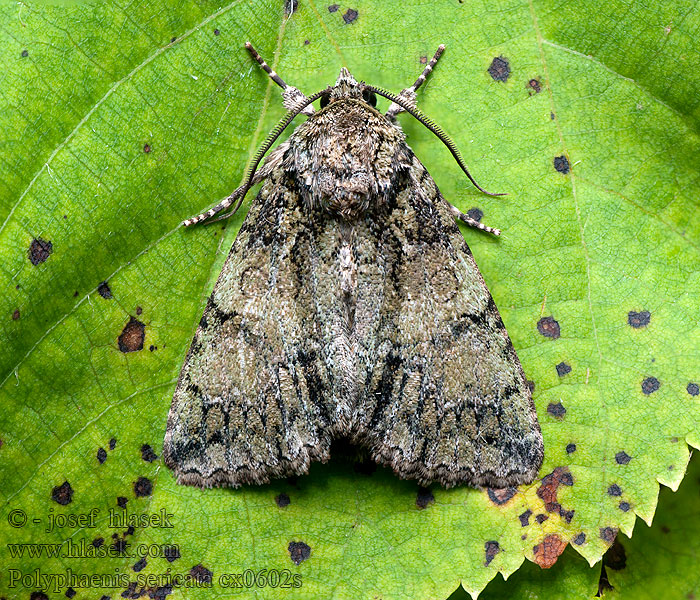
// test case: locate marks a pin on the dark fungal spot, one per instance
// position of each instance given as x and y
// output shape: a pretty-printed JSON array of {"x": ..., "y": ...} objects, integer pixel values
[
  {"x": 608, "y": 534},
  {"x": 15, "y": 314},
  {"x": 350, "y": 16},
  {"x": 557, "y": 410},
  {"x": 622, "y": 458},
  {"x": 524, "y": 518},
  {"x": 563, "y": 369},
  {"x": 172, "y": 39},
  {"x": 423, "y": 60},
  {"x": 25, "y": 53},
  {"x": 132, "y": 336},
  {"x": 541, "y": 518},
  {"x": 333, "y": 8},
  {"x": 570, "y": 448},
  {"x": 567, "y": 515},
  {"x": 548, "y": 327},
  {"x": 290, "y": 7},
  {"x": 535, "y": 85},
  {"x": 75, "y": 295},
  {"x": 650, "y": 385},
  {"x": 501, "y": 496},
  {"x": 171, "y": 553},
  {"x": 638, "y": 319},
  {"x": 147, "y": 453},
  {"x": 548, "y": 551},
  {"x": 97, "y": 542},
  {"x": 580, "y": 539},
  {"x": 624, "y": 506},
  {"x": 70, "y": 592},
  {"x": 551, "y": 116},
  {"x": 614, "y": 490},
  {"x": 63, "y": 494},
  {"x": 693, "y": 389},
  {"x": 561, "y": 164},
  {"x": 139, "y": 310},
  {"x": 151, "y": 348},
  {"x": 38, "y": 596},
  {"x": 104, "y": 291},
  {"x": 282, "y": 500},
  {"x": 121, "y": 501},
  {"x": 101, "y": 455},
  {"x": 39, "y": 251},
  {"x": 499, "y": 69},
  {"x": 129, "y": 530},
  {"x": 424, "y": 498},
  {"x": 143, "y": 487},
  {"x": 216, "y": 32},
  {"x": 140, "y": 565},
  {"x": 147, "y": 148},
  {"x": 201, "y": 574},
  {"x": 306, "y": 42},
  {"x": 475, "y": 213},
  {"x": 119, "y": 545},
  {"x": 112, "y": 443},
  {"x": 299, "y": 552},
  {"x": 491, "y": 548}
]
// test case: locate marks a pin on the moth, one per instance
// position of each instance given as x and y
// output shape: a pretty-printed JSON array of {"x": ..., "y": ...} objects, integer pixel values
[{"x": 350, "y": 306}]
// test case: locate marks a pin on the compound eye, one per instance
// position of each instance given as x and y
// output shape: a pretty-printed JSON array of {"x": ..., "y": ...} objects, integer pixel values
[
  {"x": 369, "y": 97},
  {"x": 325, "y": 99}
]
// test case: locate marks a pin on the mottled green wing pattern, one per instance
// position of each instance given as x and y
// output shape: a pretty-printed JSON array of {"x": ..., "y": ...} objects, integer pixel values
[{"x": 446, "y": 399}]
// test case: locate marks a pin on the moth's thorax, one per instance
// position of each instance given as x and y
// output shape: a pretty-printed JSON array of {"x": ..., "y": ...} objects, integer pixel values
[{"x": 346, "y": 157}]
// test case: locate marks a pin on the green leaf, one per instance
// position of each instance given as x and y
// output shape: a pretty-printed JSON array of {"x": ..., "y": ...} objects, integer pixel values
[{"x": 119, "y": 121}]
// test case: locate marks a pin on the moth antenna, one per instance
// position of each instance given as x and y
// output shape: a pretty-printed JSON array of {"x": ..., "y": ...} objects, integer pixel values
[
  {"x": 241, "y": 191},
  {"x": 428, "y": 68},
  {"x": 265, "y": 67},
  {"x": 432, "y": 126}
]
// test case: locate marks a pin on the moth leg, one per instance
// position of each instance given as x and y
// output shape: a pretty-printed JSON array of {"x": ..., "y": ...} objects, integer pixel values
[
  {"x": 409, "y": 94},
  {"x": 467, "y": 220},
  {"x": 291, "y": 96},
  {"x": 271, "y": 163}
]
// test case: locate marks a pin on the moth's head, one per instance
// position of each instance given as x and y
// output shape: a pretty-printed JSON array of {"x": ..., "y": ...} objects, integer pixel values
[{"x": 346, "y": 87}]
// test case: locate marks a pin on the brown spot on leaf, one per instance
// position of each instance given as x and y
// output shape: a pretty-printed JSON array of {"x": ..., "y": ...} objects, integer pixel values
[
  {"x": 501, "y": 496},
  {"x": 693, "y": 389},
  {"x": 63, "y": 494},
  {"x": 541, "y": 518},
  {"x": 499, "y": 69},
  {"x": 423, "y": 60},
  {"x": 282, "y": 500},
  {"x": 570, "y": 448},
  {"x": 217, "y": 32},
  {"x": 25, "y": 53},
  {"x": 171, "y": 553},
  {"x": 580, "y": 539},
  {"x": 424, "y": 498},
  {"x": 557, "y": 410},
  {"x": 143, "y": 487},
  {"x": 104, "y": 291},
  {"x": 201, "y": 574},
  {"x": 70, "y": 593},
  {"x": 147, "y": 453},
  {"x": 614, "y": 490},
  {"x": 535, "y": 85},
  {"x": 121, "y": 501},
  {"x": 350, "y": 16},
  {"x": 624, "y": 506},
  {"x": 39, "y": 251},
  {"x": 333, "y": 8},
  {"x": 638, "y": 319},
  {"x": 112, "y": 443},
  {"x": 563, "y": 369},
  {"x": 139, "y": 310},
  {"x": 101, "y": 455},
  {"x": 491, "y": 548},
  {"x": 525, "y": 518},
  {"x": 650, "y": 385},
  {"x": 548, "y": 327},
  {"x": 547, "y": 552},
  {"x": 147, "y": 148},
  {"x": 97, "y": 542},
  {"x": 622, "y": 458},
  {"x": 132, "y": 336},
  {"x": 299, "y": 552},
  {"x": 475, "y": 213},
  {"x": 608, "y": 534},
  {"x": 548, "y": 491},
  {"x": 561, "y": 164},
  {"x": 15, "y": 314},
  {"x": 140, "y": 565}
]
